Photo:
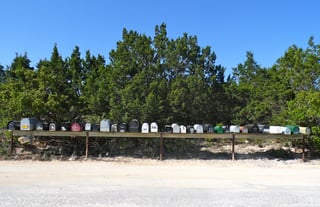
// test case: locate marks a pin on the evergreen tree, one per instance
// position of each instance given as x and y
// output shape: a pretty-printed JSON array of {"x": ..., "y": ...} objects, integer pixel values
[
  {"x": 17, "y": 92},
  {"x": 55, "y": 99}
]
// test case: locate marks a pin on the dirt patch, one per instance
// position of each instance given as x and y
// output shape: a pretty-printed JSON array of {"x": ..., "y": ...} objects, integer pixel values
[{"x": 196, "y": 150}]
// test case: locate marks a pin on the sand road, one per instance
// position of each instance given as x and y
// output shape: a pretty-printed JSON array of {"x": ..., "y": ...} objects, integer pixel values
[{"x": 139, "y": 182}]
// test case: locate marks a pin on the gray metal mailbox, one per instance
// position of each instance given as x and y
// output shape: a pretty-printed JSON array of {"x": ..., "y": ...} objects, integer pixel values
[
  {"x": 52, "y": 127},
  {"x": 105, "y": 125},
  {"x": 114, "y": 128}
]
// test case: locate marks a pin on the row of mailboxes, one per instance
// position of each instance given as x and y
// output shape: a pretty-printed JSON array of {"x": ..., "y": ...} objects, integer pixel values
[
  {"x": 252, "y": 128},
  {"x": 134, "y": 126}
]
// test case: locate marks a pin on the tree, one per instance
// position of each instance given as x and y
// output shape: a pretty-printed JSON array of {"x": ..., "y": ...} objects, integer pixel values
[
  {"x": 54, "y": 100},
  {"x": 2, "y": 74},
  {"x": 17, "y": 92},
  {"x": 131, "y": 74},
  {"x": 300, "y": 71},
  {"x": 75, "y": 83},
  {"x": 96, "y": 90}
]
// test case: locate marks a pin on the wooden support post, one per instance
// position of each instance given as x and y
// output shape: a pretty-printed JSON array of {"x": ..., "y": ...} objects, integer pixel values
[
  {"x": 11, "y": 143},
  {"x": 87, "y": 144},
  {"x": 233, "y": 143},
  {"x": 161, "y": 147},
  {"x": 303, "y": 147}
]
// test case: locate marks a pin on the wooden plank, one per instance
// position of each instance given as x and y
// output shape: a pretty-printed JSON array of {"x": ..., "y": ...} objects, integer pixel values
[
  {"x": 268, "y": 136},
  {"x": 124, "y": 134},
  {"x": 161, "y": 147},
  {"x": 196, "y": 136},
  {"x": 87, "y": 144},
  {"x": 153, "y": 135},
  {"x": 49, "y": 133},
  {"x": 232, "y": 147}
]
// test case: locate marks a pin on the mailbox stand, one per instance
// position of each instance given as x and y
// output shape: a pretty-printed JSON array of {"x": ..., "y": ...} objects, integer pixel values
[{"x": 162, "y": 136}]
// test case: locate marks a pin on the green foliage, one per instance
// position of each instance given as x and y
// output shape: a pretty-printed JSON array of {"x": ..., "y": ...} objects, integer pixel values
[
  {"x": 4, "y": 143},
  {"x": 316, "y": 137},
  {"x": 163, "y": 80}
]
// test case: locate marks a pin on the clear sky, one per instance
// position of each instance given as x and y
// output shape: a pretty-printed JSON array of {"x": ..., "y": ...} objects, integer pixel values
[{"x": 231, "y": 27}]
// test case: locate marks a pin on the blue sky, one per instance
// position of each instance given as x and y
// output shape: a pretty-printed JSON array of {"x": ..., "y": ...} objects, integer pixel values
[{"x": 230, "y": 27}]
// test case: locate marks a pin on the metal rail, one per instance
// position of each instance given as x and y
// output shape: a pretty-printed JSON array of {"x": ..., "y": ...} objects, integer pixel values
[{"x": 161, "y": 136}]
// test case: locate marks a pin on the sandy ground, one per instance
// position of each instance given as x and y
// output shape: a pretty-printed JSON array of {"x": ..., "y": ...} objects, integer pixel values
[{"x": 145, "y": 182}]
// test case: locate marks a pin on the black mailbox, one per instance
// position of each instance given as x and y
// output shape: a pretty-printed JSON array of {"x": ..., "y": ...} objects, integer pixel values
[
  {"x": 190, "y": 129},
  {"x": 208, "y": 128},
  {"x": 13, "y": 125},
  {"x": 168, "y": 129},
  {"x": 252, "y": 128},
  {"x": 123, "y": 127},
  {"x": 134, "y": 125},
  {"x": 114, "y": 128}
]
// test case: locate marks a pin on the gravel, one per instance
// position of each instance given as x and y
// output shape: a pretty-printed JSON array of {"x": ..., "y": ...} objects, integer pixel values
[{"x": 137, "y": 182}]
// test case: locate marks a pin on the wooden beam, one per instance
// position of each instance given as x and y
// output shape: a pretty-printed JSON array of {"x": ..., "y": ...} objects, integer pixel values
[
  {"x": 87, "y": 144},
  {"x": 233, "y": 143},
  {"x": 161, "y": 147},
  {"x": 152, "y": 135}
]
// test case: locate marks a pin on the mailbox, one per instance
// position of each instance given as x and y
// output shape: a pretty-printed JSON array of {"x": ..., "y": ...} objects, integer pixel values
[
  {"x": 154, "y": 127},
  {"x": 305, "y": 130},
  {"x": 87, "y": 126},
  {"x": 266, "y": 129},
  {"x": 65, "y": 126},
  {"x": 145, "y": 128},
  {"x": 275, "y": 130},
  {"x": 39, "y": 126},
  {"x": 134, "y": 125},
  {"x": 105, "y": 125},
  {"x": 183, "y": 129},
  {"x": 286, "y": 130},
  {"x": 208, "y": 128},
  {"x": 123, "y": 127},
  {"x": 95, "y": 127},
  {"x": 190, "y": 129},
  {"x": 76, "y": 127},
  {"x": 114, "y": 128},
  {"x": 28, "y": 124},
  {"x": 261, "y": 128},
  {"x": 293, "y": 129},
  {"x": 175, "y": 128},
  {"x": 244, "y": 130},
  {"x": 168, "y": 128},
  {"x": 52, "y": 127},
  {"x": 218, "y": 129},
  {"x": 234, "y": 129},
  {"x": 198, "y": 128},
  {"x": 13, "y": 125},
  {"x": 252, "y": 128}
]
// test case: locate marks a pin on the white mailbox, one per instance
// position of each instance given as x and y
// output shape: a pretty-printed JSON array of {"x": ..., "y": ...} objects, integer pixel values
[
  {"x": 28, "y": 124},
  {"x": 275, "y": 130},
  {"x": 145, "y": 128},
  {"x": 305, "y": 130},
  {"x": 175, "y": 128},
  {"x": 183, "y": 129},
  {"x": 87, "y": 126},
  {"x": 154, "y": 127},
  {"x": 234, "y": 129},
  {"x": 198, "y": 128}
]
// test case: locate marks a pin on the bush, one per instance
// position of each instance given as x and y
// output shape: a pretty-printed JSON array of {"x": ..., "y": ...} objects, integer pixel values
[{"x": 4, "y": 144}]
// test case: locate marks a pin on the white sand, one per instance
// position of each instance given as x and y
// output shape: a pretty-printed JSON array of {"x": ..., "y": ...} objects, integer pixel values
[{"x": 144, "y": 182}]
